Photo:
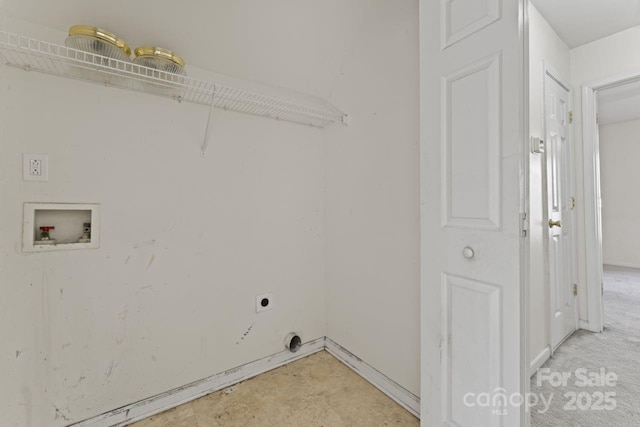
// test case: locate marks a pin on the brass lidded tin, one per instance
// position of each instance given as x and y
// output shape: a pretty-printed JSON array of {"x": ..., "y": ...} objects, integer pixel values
[
  {"x": 98, "y": 41},
  {"x": 159, "y": 59}
]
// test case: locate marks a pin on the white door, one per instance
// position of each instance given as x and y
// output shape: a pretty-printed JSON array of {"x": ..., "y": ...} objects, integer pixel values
[
  {"x": 471, "y": 208},
  {"x": 560, "y": 212}
]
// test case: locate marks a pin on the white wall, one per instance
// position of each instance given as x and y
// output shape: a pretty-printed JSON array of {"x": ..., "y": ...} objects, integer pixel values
[
  {"x": 544, "y": 45},
  {"x": 607, "y": 57},
  {"x": 619, "y": 157},
  {"x": 372, "y": 197},
  {"x": 612, "y": 56},
  {"x": 187, "y": 242}
]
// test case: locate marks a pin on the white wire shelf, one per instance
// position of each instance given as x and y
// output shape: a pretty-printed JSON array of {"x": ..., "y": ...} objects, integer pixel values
[{"x": 37, "y": 55}]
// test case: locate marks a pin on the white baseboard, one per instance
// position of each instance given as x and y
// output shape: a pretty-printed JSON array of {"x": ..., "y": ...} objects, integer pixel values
[
  {"x": 539, "y": 361},
  {"x": 621, "y": 264},
  {"x": 395, "y": 391},
  {"x": 162, "y": 402},
  {"x": 584, "y": 324},
  {"x": 153, "y": 405}
]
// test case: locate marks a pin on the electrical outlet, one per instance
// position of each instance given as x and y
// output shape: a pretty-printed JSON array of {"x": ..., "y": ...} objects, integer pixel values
[
  {"x": 35, "y": 167},
  {"x": 264, "y": 302}
]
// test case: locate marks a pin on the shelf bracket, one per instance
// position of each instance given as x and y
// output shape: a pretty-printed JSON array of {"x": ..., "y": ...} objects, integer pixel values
[{"x": 205, "y": 143}]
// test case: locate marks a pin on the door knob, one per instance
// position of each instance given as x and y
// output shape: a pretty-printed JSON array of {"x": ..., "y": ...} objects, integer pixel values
[
  {"x": 468, "y": 252},
  {"x": 553, "y": 223}
]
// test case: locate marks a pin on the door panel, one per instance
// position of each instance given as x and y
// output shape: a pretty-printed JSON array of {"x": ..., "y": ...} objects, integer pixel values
[
  {"x": 472, "y": 189},
  {"x": 561, "y": 247},
  {"x": 472, "y": 321},
  {"x": 471, "y": 157},
  {"x": 462, "y": 18}
]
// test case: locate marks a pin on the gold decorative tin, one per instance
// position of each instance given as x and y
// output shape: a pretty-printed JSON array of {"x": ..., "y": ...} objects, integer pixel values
[
  {"x": 159, "y": 59},
  {"x": 98, "y": 41}
]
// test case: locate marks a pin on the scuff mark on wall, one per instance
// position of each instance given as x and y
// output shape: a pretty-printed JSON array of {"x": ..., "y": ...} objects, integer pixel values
[
  {"x": 124, "y": 313},
  {"x": 246, "y": 333},
  {"x": 61, "y": 414},
  {"x": 144, "y": 289},
  {"x": 18, "y": 353},
  {"x": 123, "y": 317},
  {"x": 153, "y": 257},
  {"x": 173, "y": 226},
  {"x": 145, "y": 243},
  {"x": 44, "y": 342},
  {"x": 82, "y": 378},
  {"x": 109, "y": 369}
]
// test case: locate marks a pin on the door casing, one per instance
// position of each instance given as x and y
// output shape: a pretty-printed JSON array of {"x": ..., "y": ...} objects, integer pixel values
[{"x": 592, "y": 198}]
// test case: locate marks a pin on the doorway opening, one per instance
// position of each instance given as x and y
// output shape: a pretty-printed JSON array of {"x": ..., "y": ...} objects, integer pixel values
[
  {"x": 606, "y": 103},
  {"x": 603, "y": 199}
]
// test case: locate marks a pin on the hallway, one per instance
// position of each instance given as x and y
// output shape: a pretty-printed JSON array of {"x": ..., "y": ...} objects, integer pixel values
[{"x": 588, "y": 403}]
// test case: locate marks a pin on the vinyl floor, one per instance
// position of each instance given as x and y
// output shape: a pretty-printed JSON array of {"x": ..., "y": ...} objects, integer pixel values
[{"x": 317, "y": 390}]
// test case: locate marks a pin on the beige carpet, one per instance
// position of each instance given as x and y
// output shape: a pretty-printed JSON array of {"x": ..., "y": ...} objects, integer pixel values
[
  {"x": 617, "y": 350},
  {"x": 314, "y": 391}
]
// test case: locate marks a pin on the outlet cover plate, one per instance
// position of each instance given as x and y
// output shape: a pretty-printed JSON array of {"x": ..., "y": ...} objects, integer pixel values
[
  {"x": 259, "y": 306},
  {"x": 42, "y": 160}
]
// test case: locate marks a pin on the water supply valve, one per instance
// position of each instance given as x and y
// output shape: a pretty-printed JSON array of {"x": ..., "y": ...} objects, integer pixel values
[
  {"x": 86, "y": 233},
  {"x": 45, "y": 236}
]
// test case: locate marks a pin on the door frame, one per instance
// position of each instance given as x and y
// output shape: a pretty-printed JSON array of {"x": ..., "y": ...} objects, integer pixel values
[
  {"x": 592, "y": 197},
  {"x": 555, "y": 75},
  {"x": 525, "y": 210}
]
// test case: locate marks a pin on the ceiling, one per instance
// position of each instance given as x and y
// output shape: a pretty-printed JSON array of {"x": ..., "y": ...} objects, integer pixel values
[
  {"x": 579, "y": 22},
  {"x": 297, "y": 44}
]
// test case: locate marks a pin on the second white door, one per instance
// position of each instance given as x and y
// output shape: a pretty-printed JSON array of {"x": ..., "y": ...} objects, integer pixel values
[{"x": 561, "y": 214}]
